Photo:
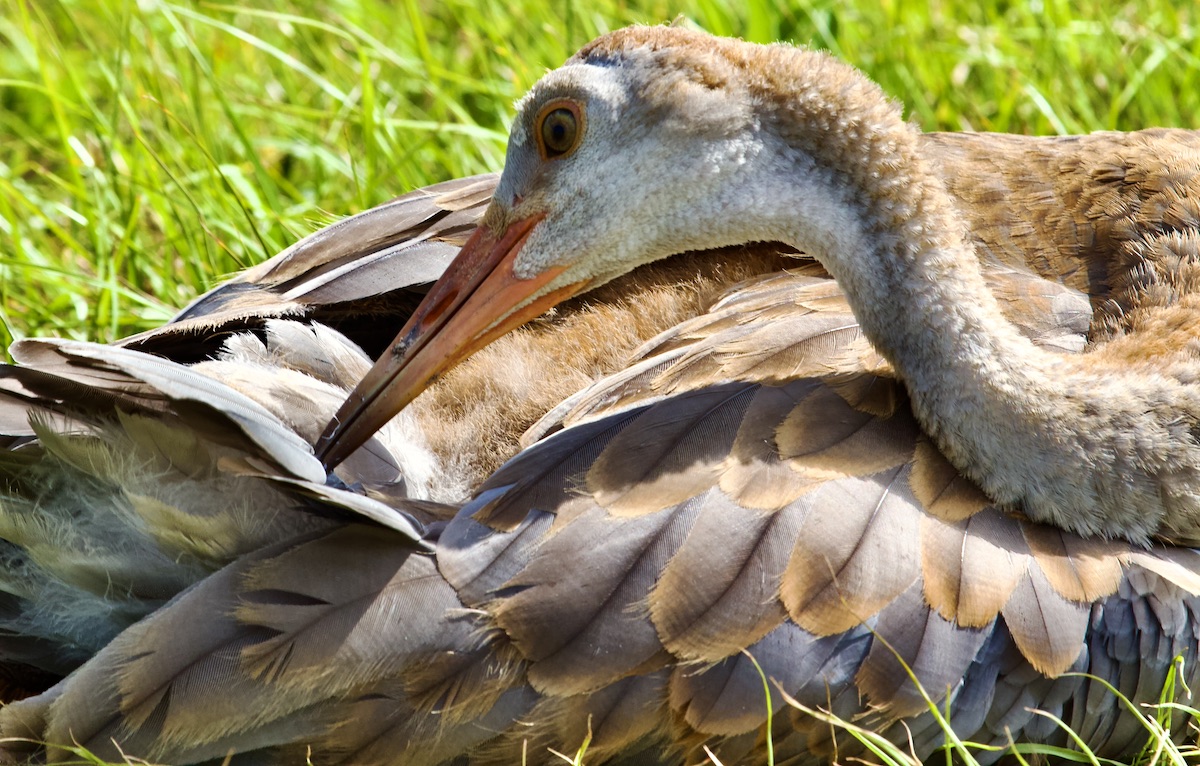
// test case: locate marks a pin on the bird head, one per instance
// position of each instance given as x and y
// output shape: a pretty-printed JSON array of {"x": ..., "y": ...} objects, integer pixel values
[{"x": 634, "y": 150}]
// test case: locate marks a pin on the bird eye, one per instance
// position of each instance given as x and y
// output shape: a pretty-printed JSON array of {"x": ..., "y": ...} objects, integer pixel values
[{"x": 559, "y": 128}]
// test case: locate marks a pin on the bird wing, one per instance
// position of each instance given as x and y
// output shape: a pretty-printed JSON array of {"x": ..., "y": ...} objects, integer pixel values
[
  {"x": 335, "y": 637},
  {"x": 144, "y": 477},
  {"x": 756, "y": 482},
  {"x": 736, "y": 488},
  {"x": 57, "y": 374},
  {"x": 239, "y": 413}
]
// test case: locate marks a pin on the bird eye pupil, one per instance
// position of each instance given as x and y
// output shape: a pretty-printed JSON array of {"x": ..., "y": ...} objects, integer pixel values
[{"x": 560, "y": 131}]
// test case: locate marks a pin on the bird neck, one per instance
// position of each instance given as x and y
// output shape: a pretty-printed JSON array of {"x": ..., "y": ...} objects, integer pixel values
[
  {"x": 1026, "y": 424},
  {"x": 897, "y": 249},
  {"x": 840, "y": 176}
]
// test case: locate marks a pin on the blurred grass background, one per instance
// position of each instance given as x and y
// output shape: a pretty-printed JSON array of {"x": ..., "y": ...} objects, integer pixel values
[{"x": 149, "y": 149}]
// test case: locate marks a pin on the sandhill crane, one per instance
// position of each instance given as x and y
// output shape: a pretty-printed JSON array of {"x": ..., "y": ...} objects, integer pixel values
[{"x": 775, "y": 473}]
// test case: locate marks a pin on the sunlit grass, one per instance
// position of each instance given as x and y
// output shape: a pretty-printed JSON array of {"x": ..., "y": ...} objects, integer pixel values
[{"x": 1159, "y": 719}]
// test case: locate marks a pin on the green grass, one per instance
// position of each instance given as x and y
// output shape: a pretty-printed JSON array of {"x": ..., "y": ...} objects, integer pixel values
[{"x": 149, "y": 149}]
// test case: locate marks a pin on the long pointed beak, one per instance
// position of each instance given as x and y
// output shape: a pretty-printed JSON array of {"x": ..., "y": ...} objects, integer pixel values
[{"x": 477, "y": 300}]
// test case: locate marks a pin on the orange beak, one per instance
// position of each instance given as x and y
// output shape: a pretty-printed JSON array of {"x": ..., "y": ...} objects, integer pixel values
[{"x": 477, "y": 300}]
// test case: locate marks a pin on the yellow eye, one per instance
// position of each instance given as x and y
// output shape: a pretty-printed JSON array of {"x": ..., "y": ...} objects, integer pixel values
[{"x": 559, "y": 128}]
